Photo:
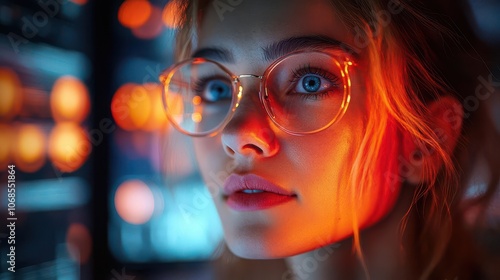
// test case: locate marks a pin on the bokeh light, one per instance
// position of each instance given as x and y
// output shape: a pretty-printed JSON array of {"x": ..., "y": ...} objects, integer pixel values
[
  {"x": 134, "y": 202},
  {"x": 152, "y": 27},
  {"x": 120, "y": 107},
  {"x": 196, "y": 117},
  {"x": 134, "y": 13},
  {"x": 10, "y": 93},
  {"x": 69, "y": 100},
  {"x": 79, "y": 242},
  {"x": 139, "y": 107},
  {"x": 29, "y": 148},
  {"x": 171, "y": 12},
  {"x": 157, "y": 119},
  {"x": 196, "y": 100},
  {"x": 69, "y": 146}
]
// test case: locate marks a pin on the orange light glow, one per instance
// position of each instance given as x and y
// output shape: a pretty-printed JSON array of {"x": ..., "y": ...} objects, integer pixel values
[
  {"x": 69, "y": 100},
  {"x": 196, "y": 100},
  {"x": 134, "y": 202},
  {"x": 11, "y": 93},
  {"x": 69, "y": 146},
  {"x": 6, "y": 143},
  {"x": 152, "y": 27},
  {"x": 120, "y": 108},
  {"x": 79, "y": 243},
  {"x": 29, "y": 149},
  {"x": 137, "y": 107},
  {"x": 134, "y": 13},
  {"x": 196, "y": 117},
  {"x": 170, "y": 13},
  {"x": 157, "y": 118},
  {"x": 140, "y": 106}
]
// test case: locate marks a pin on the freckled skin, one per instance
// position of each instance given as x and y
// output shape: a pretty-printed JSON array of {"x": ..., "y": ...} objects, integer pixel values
[{"x": 312, "y": 166}]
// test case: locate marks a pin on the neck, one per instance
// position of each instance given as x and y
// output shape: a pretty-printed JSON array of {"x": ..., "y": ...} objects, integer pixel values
[{"x": 381, "y": 246}]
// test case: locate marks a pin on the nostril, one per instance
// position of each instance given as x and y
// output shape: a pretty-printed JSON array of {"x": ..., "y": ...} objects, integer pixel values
[
  {"x": 252, "y": 147},
  {"x": 249, "y": 142},
  {"x": 229, "y": 151}
]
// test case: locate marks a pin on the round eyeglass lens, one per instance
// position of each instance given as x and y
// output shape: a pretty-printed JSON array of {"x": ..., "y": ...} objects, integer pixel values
[
  {"x": 199, "y": 96},
  {"x": 306, "y": 92}
]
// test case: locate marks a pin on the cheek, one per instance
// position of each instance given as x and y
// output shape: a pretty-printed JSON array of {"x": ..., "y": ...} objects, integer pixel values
[
  {"x": 318, "y": 170},
  {"x": 341, "y": 191},
  {"x": 212, "y": 161}
]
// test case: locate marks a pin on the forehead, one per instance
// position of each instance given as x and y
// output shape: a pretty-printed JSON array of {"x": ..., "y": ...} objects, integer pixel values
[{"x": 245, "y": 27}]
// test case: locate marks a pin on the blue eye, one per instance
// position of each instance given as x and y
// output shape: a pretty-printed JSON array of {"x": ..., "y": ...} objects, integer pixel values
[
  {"x": 216, "y": 90},
  {"x": 311, "y": 83}
]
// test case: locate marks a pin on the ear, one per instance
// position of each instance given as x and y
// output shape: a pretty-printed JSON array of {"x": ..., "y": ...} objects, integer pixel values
[{"x": 445, "y": 116}]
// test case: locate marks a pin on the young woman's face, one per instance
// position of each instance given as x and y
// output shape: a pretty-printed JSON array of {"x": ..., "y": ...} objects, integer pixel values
[{"x": 306, "y": 202}]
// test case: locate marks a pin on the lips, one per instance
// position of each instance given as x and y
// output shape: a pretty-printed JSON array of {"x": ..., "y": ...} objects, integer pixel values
[{"x": 251, "y": 192}]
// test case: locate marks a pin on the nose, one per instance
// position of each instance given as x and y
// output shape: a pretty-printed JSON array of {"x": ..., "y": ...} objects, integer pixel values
[{"x": 249, "y": 133}]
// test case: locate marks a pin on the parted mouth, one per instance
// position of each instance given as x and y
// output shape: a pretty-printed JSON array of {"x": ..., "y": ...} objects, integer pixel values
[
  {"x": 252, "y": 184},
  {"x": 247, "y": 193}
]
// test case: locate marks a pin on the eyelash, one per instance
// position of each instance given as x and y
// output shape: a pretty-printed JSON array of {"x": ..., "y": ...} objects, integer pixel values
[
  {"x": 199, "y": 85},
  {"x": 307, "y": 70},
  {"x": 297, "y": 74}
]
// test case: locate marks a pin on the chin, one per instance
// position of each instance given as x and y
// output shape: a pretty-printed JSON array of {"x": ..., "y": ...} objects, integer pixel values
[
  {"x": 269, "y": 248},
  {"x": 258, "y": 249}
]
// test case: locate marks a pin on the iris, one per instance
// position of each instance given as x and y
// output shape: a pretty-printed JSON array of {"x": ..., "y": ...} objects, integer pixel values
[
  {"x": 311, "y": 83},
  {"x": 217, "y": 90}
]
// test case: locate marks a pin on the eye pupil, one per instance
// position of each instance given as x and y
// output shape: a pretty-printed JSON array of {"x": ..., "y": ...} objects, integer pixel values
[
  {"x": 217, "y": 90},
  {"x": 311, "y": 83}
]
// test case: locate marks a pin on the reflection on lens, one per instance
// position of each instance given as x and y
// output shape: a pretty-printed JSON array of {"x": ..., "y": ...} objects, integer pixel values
[
  {"x": 305, "y": 92},
  {"x": 196, "y": 117},
  {"x": 196, "y": 100},
  {"x": 199, "y": 96}
]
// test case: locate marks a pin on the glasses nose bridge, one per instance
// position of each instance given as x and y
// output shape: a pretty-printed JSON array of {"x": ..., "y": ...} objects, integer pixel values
[
  {"x": 240, "y": 90},
  {"x": 238, "y": 77},
  {"x": 250, "y": 76}
]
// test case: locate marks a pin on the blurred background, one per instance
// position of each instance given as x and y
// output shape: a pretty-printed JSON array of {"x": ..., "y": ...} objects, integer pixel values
[{"x": 81, "y": 119}]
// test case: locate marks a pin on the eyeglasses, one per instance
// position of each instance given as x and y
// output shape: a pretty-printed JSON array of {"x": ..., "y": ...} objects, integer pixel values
[{"x": 303, "y": 93}]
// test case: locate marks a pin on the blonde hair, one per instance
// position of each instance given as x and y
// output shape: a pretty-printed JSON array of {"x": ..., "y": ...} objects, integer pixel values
[{"x": 407, "y": 73}]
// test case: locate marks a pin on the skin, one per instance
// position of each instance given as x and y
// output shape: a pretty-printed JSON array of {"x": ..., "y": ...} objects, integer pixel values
[
  {"x": 314, "y": 231},
  {"x": 311, "y": 166}
]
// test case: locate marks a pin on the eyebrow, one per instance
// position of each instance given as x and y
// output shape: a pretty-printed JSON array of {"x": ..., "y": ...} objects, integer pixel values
[
  {"x": 215, "y": 53},
  {"x": 318, "y": 42},
  {"x": 281, "y": 48}
]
